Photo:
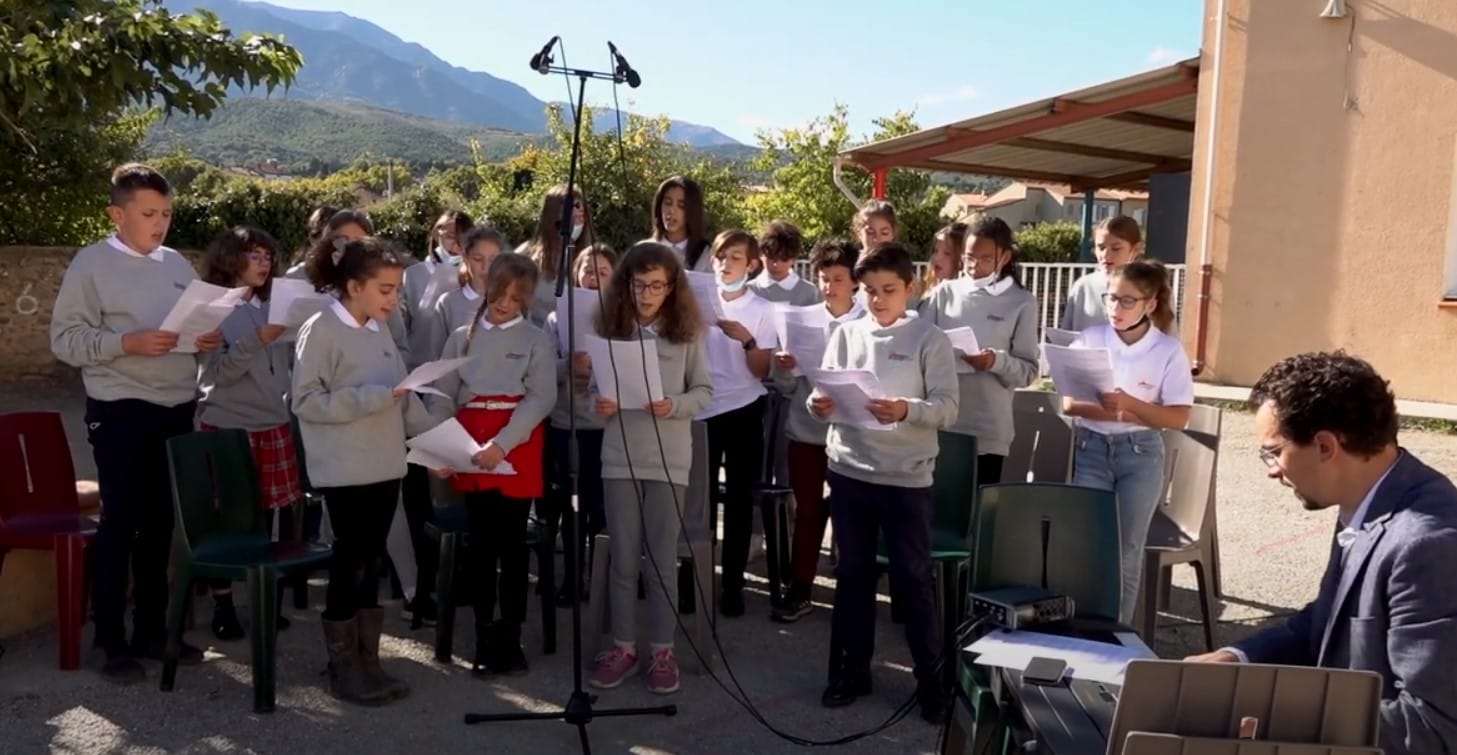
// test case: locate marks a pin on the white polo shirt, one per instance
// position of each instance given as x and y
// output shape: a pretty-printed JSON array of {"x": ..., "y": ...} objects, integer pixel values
[
  {"x": 734, "y": 386},
  {"x": 1153, "y": 369}
]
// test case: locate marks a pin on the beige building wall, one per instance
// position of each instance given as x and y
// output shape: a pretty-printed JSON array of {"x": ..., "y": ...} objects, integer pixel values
[{"x": 1332, "y": 185}]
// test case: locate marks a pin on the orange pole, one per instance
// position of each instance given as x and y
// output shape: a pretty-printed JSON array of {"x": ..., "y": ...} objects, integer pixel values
[{"x": 878, "y": 190}]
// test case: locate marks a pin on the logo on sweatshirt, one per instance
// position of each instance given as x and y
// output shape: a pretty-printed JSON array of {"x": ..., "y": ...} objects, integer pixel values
[
  {"x": 514, "y": 355},
  {"x": 995, "y": 318},
  {"x": 1144, "y": 384},
  {"x": 894, "y": 357}
]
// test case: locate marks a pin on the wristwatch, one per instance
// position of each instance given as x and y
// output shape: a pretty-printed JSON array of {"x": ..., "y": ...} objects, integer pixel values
[{"x": 751, "y": 344}]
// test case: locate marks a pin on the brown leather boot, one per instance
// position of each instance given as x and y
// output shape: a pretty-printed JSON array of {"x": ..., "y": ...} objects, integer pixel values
[
  {"x": 347, "y": 680},
  {"x": 371, "y": 622}
]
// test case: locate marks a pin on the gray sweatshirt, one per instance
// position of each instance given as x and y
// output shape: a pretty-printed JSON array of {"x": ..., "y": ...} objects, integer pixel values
[
  {"x": 516, "y": 359},
  {"x": 635, "y": 444},
  {"x": 107, "y": 292},
  {"x": 352, "y": 427},
  {"x": 793, "y": 290},
  {"x": 587, "y": 416},
  {"x": 543, "y": 300},
  {"x": 244, "y": 382},
  {"x": 801, "y": 426},
  {"x": 397, "y": 317},
  {"x": 1084, "y": 307},
  {"x": 1004, "y": 318},
  {"x": 455, "y": 310},
  {"x": 912, "y": 359},
  {"x": 419, "y": 318}
]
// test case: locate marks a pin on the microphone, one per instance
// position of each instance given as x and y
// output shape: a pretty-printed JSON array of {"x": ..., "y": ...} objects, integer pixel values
[
  {"x": 542, "y": 60},
  {"x": 624, "y": 69}
]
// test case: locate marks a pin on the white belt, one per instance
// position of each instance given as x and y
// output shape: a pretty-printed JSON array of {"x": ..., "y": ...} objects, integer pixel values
[{"x": 491, "y": 405}]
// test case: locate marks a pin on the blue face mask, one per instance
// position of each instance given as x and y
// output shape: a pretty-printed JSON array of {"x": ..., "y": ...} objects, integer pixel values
[
  {"x": 576, "y": 231},
  {"x": 446, "y": 257},
  {"x": 735, "y": 287}
]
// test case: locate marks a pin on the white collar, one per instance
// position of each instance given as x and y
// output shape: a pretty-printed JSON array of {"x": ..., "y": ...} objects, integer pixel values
[
  {"x": 253, "y": 300},
  {"x": 348, "y": 319},
  {"x": 855, "y": 312},
  {"x": 469, "y": 293},
  {"x": 651, "y": 327},
  {"x": 910, "y": 314},
  {"x": 156, "y": 255},
  {"x": 790, "y": 281},
  {"x": 1347, "y": 535},
  {"x": 996, "y": 287},
  {"x": 488, "y": 325}
]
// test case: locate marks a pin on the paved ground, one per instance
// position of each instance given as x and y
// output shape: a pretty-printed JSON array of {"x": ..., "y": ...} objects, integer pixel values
[{"x": 1273, "y": 554}]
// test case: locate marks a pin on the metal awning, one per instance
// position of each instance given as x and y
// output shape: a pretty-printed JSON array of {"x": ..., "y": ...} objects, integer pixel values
[{"x": 1113, "y": 135}]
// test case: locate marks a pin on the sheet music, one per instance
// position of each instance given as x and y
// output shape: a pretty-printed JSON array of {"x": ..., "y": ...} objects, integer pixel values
[
  {"x": 449, "y": 446},
  {"x": 420, "y": 379},
  {"x": 626, "y": 371},
  {"x": 586, "y": 303},
  {"x": 1086, "y": 659},
  {"x": 851, "y": 390},
  {"x": 200, "y": 310},
  {"x": 963, "y": 339},
  {"x": 291, "y": 302},
  {"x": 807, "y": 343},
  {"x": 705, "y": 289},
  {"x": 1080, "y": 374}
]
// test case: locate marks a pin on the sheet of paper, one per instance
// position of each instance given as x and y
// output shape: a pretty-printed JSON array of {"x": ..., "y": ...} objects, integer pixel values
[
  {"x": 200, "y": 310},
  {"x": 809, "y": 316},
  {"x": 445, "y": 446},
  {"x": 586, "y": 303},
  {"x": 964, "y": 341},
  {"x": 851, "y": 390},
  {"x": 1079, "y": 374},
  {"x": 806, "y": 342},
  {"x": 1059, "y": 337},
  {"x": 419, "y": 381},
  {"x": 705, "y": 290},
  {"x": 1094, "y": 661},
  {"x": 431, "y": 461},
  {"x": 441, "y": 279},
  {"x": 291, "y": 302},
  {"x": 626, "y": 371}
]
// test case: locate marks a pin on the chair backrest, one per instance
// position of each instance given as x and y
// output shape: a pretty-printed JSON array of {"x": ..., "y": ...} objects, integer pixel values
[
  {"x": 215, "y": 489},
  {"x": 1205, "y": 419},
  {"x": 1190, "y": 459},
  {"x": 37, "y": 476},
  {"x": 953, "y": 485},
  {"x": 1042, "y": 440},
  {"x": 1081, "y": 554}
]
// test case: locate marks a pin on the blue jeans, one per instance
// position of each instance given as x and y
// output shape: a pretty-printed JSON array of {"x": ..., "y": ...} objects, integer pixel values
[{"x": 1132, "y": 466}]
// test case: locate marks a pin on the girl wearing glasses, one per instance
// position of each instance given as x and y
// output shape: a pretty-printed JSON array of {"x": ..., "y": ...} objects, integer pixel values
[
  {"x": 243, "y": 385},
  {"x": 1116, "y": 241},
  {"x": 647, "y": 453},
  {"x": 1118, "y": 445}
]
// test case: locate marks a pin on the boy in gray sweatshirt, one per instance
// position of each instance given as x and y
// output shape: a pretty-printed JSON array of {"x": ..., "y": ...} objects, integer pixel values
[
  {"x": 141, "y": 391},
  {"x": 880, "y": 479}
]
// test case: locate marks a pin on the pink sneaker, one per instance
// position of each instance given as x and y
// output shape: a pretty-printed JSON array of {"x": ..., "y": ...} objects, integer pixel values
[
  {"x": 612, "y": 666},
  {"x": 663, "y": 672}
]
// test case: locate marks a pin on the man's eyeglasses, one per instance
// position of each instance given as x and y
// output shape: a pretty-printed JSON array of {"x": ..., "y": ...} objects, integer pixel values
[
  {"x": 655, "y": 287},
  {"x": 1271, "y": 455},
  {"x": 1123, "y": 302}
]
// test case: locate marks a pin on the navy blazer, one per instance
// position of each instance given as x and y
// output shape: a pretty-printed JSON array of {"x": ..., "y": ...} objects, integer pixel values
[{"x": 1391, "y": 607}]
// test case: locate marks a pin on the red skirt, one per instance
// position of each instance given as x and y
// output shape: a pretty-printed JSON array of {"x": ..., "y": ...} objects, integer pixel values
[
  {"x": 277, "y": 464},
  {"x": 483, "y": 417}
]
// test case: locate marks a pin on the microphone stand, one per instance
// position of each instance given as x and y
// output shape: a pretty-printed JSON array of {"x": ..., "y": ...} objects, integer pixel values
[{"x": 578, "y": 710}]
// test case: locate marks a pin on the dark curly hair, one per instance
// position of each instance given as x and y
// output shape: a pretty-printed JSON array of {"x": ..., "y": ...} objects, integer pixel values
[
  {"x": 1331, "y": 391},
  {"x": 781, "y": 240}
]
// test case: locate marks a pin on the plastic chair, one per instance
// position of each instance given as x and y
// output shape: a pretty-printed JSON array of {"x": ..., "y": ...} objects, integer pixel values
[
  {"x": 1176, "y": 535},
  {"x": 222, "y": 533},
  {"x": 451, "y": 530},
  {"x": 953, "y": 494},
  {"x": 39, "y": 511},
  {"x": 1042, "y": 443},
  {"x": 1210, "y": 421},
  {"x": 1062, "y": 538}
]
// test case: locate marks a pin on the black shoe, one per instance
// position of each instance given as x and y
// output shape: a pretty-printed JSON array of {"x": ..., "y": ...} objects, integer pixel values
[
  {"x": 225, "y": 624},
  {"x": 731, "y": 603},
  {"x": 564, "y": 595},
  {"x": 842, "y": 691},
  {"x": 791, "y": 610},
  {"x": 420, "y": 612},
  {"x": 283, "y": 622},
  {"x": 485, "y": 649},
  {"x": 122, "y": 668},
  {"x": 156, "y": 650},
  {"x": 935, "y": 706},
  {"x": 508, "y": 659}
]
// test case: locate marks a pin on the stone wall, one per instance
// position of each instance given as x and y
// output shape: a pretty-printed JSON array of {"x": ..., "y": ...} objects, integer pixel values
[{"x": 30, "y": 276}]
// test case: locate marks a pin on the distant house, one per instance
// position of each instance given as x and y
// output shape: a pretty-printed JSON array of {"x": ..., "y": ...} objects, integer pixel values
[{"x": 1024, "y": 203}]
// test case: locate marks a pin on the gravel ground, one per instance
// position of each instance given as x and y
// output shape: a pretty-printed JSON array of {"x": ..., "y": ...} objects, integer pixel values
[{"x": 1263, "y": 531}]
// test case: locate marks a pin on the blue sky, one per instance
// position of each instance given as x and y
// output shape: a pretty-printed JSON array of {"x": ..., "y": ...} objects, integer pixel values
[{"x": 740, "y": 65}]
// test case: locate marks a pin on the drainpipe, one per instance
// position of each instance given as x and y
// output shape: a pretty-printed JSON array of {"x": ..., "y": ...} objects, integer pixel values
[
  {"x": 1206, "y": 232},
  {"x": 840, "y": 184},
  {"x": 878, "y": 190}
]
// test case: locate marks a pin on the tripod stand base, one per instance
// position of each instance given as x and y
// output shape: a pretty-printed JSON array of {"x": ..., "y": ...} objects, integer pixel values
[{"x": 578, "y": 713}]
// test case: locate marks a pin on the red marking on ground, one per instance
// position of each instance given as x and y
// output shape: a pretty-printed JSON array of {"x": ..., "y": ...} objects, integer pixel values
[{"x": 1293, "y": 539}]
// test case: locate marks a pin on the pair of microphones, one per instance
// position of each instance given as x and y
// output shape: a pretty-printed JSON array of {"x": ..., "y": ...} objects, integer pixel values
[{"x": 541, "y": 63}]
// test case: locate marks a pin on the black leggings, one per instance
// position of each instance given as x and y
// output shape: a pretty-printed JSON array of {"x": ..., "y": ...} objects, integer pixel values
[
  {"x": 361, "y": 517},
  {"x": 498, "y": 540},
  {"x": 989, "y": 469},
  {"x": 736, "y": 445}
]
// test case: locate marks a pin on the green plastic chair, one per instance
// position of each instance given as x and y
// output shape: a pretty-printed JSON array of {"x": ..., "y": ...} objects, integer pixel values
[
  {"x": 221, "y": 533},
  {"x": 953, "y": 494}
]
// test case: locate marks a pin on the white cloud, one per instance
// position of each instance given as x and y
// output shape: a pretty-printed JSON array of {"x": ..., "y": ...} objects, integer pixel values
[
  {"x": 959, "y": 94},
  {"x": 1162, "y": 56}
]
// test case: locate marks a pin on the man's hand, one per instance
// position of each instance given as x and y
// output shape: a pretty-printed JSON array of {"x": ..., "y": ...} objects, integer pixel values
[
  {"x": 148, "y": 343},
  {"x": 1218, "y": 656}
]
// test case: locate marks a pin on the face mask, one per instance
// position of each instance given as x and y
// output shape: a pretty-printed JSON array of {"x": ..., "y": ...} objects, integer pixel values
[
  {"x": 1136, "y": 325},
  {"x": 735, "y": 287},
  {"x": 576, "y": 231},
  {"x": 446, "y": 257},
  {"x": 983, "y": 282}
]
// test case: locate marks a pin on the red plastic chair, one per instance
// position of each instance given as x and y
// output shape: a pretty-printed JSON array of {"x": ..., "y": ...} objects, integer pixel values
[{"x": 39, "y": 511}]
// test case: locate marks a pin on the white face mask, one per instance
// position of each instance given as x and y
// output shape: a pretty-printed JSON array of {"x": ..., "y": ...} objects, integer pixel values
[
  {"x": 983, "y": 282},
  {"x": 576, "y": 231},
  {"x": 446, "y": 257}
]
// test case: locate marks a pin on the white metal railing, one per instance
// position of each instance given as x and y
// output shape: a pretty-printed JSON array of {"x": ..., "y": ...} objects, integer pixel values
[{"x": 1050, "y": 282}]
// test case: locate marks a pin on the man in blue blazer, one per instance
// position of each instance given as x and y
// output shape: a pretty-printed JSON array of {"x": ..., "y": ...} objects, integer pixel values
[{"x": 1326, "y": 425}]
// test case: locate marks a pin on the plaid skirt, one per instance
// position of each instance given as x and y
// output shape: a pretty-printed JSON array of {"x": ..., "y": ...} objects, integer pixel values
[{"x": 277, "y": 465}]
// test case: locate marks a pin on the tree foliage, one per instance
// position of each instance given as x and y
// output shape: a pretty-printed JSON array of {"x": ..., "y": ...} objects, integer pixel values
[{"x": 1050, "y": 242}]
